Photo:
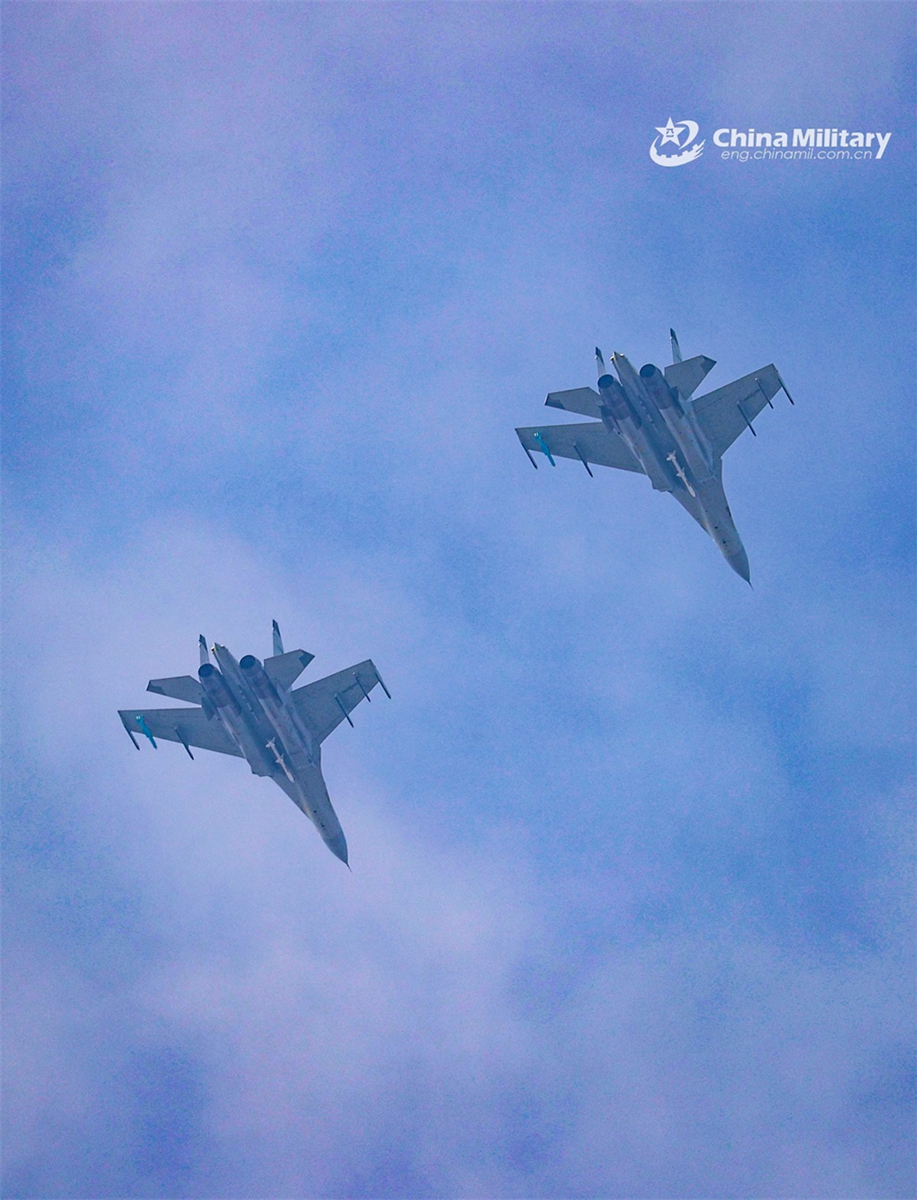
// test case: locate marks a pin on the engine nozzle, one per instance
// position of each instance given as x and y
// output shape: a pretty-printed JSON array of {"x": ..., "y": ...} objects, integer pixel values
[
  {"x": 257, "y": 678},
  {"x": 655, "y": 383},
  {"x": 616, "y": 399},
  {"x": 214, "y": 686}
]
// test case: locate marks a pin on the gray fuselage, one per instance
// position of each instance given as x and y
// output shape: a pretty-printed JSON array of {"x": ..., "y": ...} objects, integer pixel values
[
  {"x": 264, "y": 723},
  {"x": 662, "y": 433}
]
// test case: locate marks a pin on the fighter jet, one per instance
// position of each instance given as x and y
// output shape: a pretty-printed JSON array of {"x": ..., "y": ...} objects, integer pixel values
[
  {"x": 248, "y": 709},
  {"x": 647, "y": 422}
]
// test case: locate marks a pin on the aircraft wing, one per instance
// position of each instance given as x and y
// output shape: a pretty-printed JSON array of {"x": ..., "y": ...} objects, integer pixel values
[
  {"x": 188, "y": 726},
  {"x": 728, "y": 411},
  {"x": 323, "y": 705},
  {"x": 589, "y": 442}
]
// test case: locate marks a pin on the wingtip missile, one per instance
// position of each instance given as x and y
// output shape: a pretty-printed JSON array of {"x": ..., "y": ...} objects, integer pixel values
[
  {"x": 528, "y": 453},
  {"x": 379, "y": 677},
  {"x": 786, "y": 390}
]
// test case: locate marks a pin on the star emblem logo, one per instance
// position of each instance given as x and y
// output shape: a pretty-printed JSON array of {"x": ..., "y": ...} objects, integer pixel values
[
  {"x": 683, "y": 135},
  {"x": 669, "y": 132}
]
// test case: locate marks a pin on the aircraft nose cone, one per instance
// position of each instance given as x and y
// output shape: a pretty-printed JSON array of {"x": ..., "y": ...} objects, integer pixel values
[
  {"x": 338, "y": 847},
  {"x": 739, "y": 564}
]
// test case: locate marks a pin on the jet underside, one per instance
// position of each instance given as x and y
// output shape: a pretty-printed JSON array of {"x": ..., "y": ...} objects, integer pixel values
[
  {"x": 646, "y": 422},
  {"x": 249, "y": 709}
]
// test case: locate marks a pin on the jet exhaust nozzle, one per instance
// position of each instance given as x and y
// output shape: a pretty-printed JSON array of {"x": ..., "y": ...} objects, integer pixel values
[
  {"x": 214, "y": 686},
  {"x": 257, "y": 677},
  {"x": 655, "y": 383},
  {"x": 616, "y": 399}
]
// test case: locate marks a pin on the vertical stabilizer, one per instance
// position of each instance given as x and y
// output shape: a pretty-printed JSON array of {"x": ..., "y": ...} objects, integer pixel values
[
  {"x": 278, "y": 640},
  {"x": 202, "y": 642},
  {"x": 676, "y": 349}
]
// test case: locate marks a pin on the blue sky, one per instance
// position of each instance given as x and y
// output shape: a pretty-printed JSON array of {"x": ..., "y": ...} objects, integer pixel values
[{"x": 631, "y": 911}]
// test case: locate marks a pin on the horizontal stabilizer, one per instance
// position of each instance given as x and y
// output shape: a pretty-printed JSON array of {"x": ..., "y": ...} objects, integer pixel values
[
  {"x": 584, "y": 401},
  {"x": 588, "y": 442},
  {"x": 284, "y": 669},
  {"x": 180, "y": 687},
  {"x": 730, "y": 410},
  {"x": 687, "y": 376}
]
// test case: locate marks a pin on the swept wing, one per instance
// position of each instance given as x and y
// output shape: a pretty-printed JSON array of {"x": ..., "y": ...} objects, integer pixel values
[
  {"x": 725, "y": 413},
  {"x": 189, "y": 726},
  {"x": 323, "y": 705}
]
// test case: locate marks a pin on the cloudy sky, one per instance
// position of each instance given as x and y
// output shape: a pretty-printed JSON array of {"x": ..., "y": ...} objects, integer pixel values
[{"x": 631, "y": 910}]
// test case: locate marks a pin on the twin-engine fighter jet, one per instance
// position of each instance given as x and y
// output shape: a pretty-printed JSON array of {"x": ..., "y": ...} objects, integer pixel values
[
  {"x": 647, "y": 422},
  {"x": 247, "y": 708}
]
